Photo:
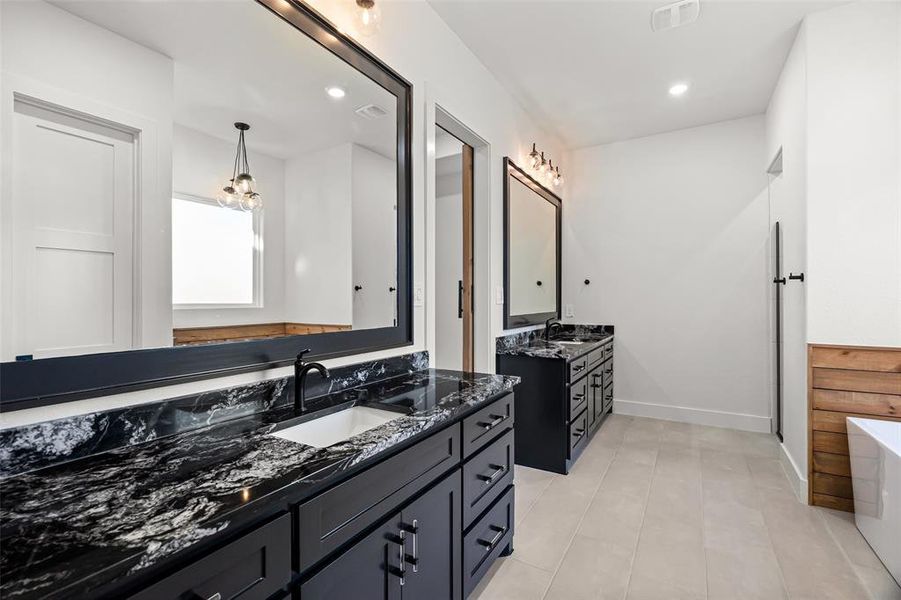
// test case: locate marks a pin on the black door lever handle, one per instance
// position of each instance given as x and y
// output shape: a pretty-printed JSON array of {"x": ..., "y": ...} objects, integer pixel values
[{"x": 798, "y": 277}]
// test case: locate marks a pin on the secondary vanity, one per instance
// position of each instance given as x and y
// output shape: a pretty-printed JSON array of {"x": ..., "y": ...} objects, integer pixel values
[
  {"x": 226, "y": 194},
  {"x": 566, "y": 370}
]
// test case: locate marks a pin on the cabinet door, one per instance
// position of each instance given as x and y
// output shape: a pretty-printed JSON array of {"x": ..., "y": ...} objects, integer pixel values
[
  {"x": 369, "y": 569},
  {"x": 433, "y": 541}
]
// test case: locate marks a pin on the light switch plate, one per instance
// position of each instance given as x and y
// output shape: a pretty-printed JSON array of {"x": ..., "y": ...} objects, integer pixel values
[
  {"x": 418, "y": 296},
  {"x": 499, "y": 294},
  {"x": 568, "y": 310}
]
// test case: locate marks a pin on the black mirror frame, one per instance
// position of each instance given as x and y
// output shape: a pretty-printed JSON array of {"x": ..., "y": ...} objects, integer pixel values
[
  {"x": 49, "y": 381},
  {"x": 511, "y": 170}
]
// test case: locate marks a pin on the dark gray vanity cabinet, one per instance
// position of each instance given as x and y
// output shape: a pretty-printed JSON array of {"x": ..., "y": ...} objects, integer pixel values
[
  {"x": 560, "y": 403},
  {"x": 415, "y": 553}
]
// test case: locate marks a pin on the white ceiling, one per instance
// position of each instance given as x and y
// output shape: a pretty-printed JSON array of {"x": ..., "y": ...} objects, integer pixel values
[
  {"x": 594, "y": 72},
  {"x": 236, "y": 61}
]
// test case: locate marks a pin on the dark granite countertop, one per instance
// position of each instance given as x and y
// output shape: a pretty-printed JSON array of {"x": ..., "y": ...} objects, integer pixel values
[
  {"x": 81, "y": 525},
  {"x": 553, "y": 348}
]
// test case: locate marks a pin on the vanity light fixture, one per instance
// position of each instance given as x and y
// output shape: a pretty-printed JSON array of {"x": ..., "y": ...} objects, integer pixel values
[
  {"x": 678, "y": 89},
  {"x": 335, "y": 92},
  {"x": 239, "y": 192},
  {"x": 543, "y": 166},
  {"x": 557, "y": 177},
  {"x": 368, "y": 17},
  {"x": 534, "y": 159}
]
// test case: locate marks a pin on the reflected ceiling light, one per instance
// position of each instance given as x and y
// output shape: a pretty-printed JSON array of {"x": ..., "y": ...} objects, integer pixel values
[
  {"x": 678, "y": 89},
  {"x": 335, "y": 92},
  {"x": 368, "y": 17},
  {"x": 239, "y": 192}
]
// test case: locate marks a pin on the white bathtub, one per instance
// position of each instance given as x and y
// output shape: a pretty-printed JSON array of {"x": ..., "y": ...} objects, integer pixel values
[{"x": 876, "y": 474}]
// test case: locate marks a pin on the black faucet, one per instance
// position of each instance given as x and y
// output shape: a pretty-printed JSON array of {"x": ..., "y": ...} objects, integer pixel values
[
  {"x": 300, "y": 377},
  {"x": 550, "y": 325}
]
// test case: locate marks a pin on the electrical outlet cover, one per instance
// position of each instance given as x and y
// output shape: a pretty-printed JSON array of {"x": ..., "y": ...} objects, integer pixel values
[
  {"x": 568, "y": 310},
  {"x": 418, "y": 296},
  {"x": 499, "y": 295}
]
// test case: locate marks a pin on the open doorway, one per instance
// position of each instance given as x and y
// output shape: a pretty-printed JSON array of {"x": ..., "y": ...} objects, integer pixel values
[{"x": 454, "y": 318}]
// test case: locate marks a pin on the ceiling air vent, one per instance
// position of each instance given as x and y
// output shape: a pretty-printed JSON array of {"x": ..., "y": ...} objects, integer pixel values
[
  {"x": 675, "y": 15},
  {"x": 371, "y": 111}
]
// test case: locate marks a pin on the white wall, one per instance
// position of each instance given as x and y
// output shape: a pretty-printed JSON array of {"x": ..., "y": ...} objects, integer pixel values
[
  {"x": 671, "y": 230},
  {"x": 854, "y": 207},
  {"x": 318, "y": 242},
  {"x": 786, "y": 129},
  {"x": 38, "y": 60},
  {"x": 200, "y": 165},
  {"x": 445, "y": 72}
]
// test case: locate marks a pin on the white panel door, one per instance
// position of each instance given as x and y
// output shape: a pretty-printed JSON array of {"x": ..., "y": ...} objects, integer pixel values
[{"x": 73, "y": 202}]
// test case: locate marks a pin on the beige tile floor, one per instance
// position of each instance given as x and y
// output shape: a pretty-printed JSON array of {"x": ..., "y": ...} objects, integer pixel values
[{"x": 656, "y": 510}]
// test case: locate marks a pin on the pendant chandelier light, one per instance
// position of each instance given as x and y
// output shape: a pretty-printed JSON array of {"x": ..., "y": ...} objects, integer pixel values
[{"x": 239, "y": 192}]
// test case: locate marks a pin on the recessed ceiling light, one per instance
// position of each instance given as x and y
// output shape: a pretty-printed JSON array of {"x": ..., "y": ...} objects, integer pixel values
[
  {"x": 335, "y": 92},
  {"x": 678, "y": 89}
]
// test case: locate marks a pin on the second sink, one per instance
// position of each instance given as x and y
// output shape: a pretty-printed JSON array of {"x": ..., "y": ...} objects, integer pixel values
[{"x": 337, "y": 427}]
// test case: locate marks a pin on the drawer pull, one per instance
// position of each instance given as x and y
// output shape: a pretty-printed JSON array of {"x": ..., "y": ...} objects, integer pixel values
[
  {"x": 216, "y": 596},
  {"x": 578, "y": 368},
  {"x": 490, "y": 544},
  {"x": 579, "y": 396},
  {"x": 498, "y": 471},
  {"x": 595, "y": 385},
  {"x": 413, "y": 529},
  {"x": 497, "y": 420},
  {"x": 578, "y": 433}
]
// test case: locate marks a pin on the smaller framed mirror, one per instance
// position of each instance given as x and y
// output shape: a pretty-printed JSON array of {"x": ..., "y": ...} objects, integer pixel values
[{"x": 532, "y": 223}]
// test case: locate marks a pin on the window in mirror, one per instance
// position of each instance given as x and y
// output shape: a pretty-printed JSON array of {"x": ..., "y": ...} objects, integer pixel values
[{"x": 215, "y": 254}]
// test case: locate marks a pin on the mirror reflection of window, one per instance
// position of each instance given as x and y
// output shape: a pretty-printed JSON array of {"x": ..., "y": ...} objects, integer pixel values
[
  {"x": 214, "y": 254},
  {"x": 150, "y": 258}
]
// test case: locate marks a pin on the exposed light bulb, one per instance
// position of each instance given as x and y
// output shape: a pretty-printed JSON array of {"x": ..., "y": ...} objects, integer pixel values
[
  {"x": 368, "y": 17},
  {"x": 543, "y": 165},
  {"x": 557, "y": 178},
  {"x": 244, "y": 183},
  {"x": 534, "y": 159},
  {"x": 228, "y": 197}
]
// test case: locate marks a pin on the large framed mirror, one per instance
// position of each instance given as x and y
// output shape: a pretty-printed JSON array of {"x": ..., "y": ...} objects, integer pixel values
[
  {"x": 532, "y": 227},
  {"x": 194, "y": 189}
]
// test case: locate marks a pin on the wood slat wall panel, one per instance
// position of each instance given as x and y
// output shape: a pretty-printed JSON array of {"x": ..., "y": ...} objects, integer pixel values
[
  {"x": 833, "y": 485},
  {"x": 845, "y": 382},
  {"x": 826, "y": 501},
  {"x": 834, "y": 443},
  {"x": 223, "y": 333},
  {"x": 826, "y": 420},
  {"x": 857, "y": 381},
  {"x": 857, "y": 402},
  {"x": 832, "y": 464},
  {"x": 858, "y": 359}
]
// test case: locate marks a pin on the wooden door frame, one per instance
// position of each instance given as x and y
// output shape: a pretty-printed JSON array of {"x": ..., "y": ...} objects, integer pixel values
[{"x": 468, "y": 158}]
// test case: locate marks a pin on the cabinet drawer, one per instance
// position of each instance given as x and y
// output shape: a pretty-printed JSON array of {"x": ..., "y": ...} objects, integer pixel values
[
  {"x": 578, "y": 432},
  {"x": 579, "y": 393},
  {"x": 487, "y": 423},
  {"x": 252, "y": 567},
  {"x": 608, "y": 351},
  {"x": 337, "y": 515},
  {"x": 578, "y": 368},
  {"x": 608, "y": 373},
  {"x": 486, "y": 475},
  {"x": 595, "y": 356},
  {"x": 608, "y": 397},
  {"x": 486, "y": 540}
]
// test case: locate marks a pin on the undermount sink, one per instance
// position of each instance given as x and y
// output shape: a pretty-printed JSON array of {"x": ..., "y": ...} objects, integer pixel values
[
  {"x": 568, "y": 342},
  {"x": 337, "y": 427}
]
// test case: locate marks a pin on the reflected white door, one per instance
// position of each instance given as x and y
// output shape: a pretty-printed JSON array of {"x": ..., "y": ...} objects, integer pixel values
[{"x": 72, "y": 207}]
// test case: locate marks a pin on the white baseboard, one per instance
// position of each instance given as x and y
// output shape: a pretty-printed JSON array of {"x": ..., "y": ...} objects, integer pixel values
[
  {"x": 795, "y": 475},
  {"x": 697, "y": 416}
]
